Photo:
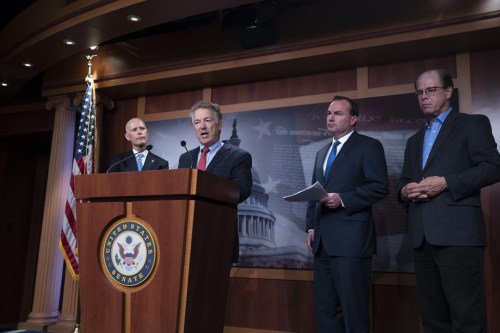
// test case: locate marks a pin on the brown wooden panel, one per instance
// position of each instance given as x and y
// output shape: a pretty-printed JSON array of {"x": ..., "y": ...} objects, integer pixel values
[
  {"x": 153, "y": 184},
  {"x": 406, "y": 72},
  {"x": 395, "y": 309},
  {"x": 95, "y": 289},
  {"x": 280, "y": 305},
  {"x": 284, "y": 88},
  {"x": 491, "y": 210},
  {"x": 485, "y": 100},
  {"x": 22, "y": 194},
  {"x": 172, "y": 102},
  {"x": 213, "y": 233},
  {"x": 485, "y": 84},
  {"x": 160, "y": 299},
  {"x": 35, "y": 121}
]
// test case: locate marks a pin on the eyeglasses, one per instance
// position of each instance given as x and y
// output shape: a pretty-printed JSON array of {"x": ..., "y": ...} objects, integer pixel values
[{"x": 430, "y": 91}]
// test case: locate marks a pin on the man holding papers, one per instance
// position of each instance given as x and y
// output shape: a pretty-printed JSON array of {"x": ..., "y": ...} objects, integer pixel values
[{"x": 341, "y": 234}]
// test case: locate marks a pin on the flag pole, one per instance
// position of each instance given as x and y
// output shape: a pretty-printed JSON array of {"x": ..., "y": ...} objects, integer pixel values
[
  {"x": 77, "y": 324},
  {"x": 89, "y": 77},
  {"x": 95, "y": 160}
]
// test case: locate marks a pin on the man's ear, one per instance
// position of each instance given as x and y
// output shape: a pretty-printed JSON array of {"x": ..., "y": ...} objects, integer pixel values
[
  {"x": 449, "y": 92},
  {"x": 126, "y": 136},
  {"x": 354, "y": 120}
]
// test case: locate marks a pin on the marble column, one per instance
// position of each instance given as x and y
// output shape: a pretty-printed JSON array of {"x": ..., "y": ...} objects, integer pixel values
[
  {"x": 67, "y": 320},
  {"x": 45, "y": 308}
]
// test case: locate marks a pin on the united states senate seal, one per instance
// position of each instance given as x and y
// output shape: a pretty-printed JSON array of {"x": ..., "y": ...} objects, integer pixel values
[{"x": 128, "y": 253}]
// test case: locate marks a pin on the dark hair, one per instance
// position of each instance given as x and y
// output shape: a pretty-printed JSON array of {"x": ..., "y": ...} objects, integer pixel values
[
  {"x": 354, "y": 110},
  {"x": 215, "y": 108},
  {"x": 443, "y": 75}
]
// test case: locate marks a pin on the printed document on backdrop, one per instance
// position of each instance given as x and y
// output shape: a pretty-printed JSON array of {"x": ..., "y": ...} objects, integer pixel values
[{"x": 315, "y": 192}]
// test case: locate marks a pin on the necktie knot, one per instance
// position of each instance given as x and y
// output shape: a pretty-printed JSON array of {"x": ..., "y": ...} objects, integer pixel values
[
  {"x": 335, "y": 145},
  {"x": 202, "y": 164},
  {"x": 139, "y": 161}
]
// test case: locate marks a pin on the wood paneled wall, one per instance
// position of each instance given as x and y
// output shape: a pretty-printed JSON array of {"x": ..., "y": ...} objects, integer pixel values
[{"x": 485, "y": 85}]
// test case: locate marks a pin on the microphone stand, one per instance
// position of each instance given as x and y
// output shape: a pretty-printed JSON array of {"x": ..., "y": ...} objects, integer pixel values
[
  {"x": 191, "y": 166},
  {"x": 148, "y": 148}
]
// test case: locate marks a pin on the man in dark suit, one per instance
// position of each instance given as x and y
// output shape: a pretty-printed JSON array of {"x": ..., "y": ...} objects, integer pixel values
[
  {"x": 340, "y": 227},
  {"x": 446, "y": 164},
  {"x": 217, "y": 157},
  {"x": 139, "y": 158}
]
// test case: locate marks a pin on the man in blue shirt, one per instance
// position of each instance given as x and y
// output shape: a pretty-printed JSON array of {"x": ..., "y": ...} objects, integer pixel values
[{"x": 445, "y": 166}]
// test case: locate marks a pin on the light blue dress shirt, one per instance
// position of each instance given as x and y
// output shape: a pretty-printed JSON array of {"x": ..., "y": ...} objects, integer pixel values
[{"x": 431, "y": 134}]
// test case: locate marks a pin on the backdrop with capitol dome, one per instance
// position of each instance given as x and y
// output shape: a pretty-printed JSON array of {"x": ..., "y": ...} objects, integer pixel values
[{"x": 283, "y": 143}]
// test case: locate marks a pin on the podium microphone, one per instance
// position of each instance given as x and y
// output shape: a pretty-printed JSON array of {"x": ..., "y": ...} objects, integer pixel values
[
  {"x": 148, "y": 148},
  {"x": 183, "y": 143}
]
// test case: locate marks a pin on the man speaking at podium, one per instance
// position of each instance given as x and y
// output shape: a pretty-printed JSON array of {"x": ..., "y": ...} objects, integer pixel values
[
  {"x": 217, "y": 157},
  {"x": 139, "y": 158}
]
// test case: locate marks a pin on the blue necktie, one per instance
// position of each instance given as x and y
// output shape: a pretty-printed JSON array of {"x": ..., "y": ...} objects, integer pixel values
[
  {"x": 139, "y": 161},
  {"x": 331, "y": 157}
]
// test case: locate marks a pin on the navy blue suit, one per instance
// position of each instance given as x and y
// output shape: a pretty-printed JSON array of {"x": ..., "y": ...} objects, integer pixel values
[
  {"x": 152, "y": 162},
  {"x": 344, "y": 238},
  {"x": 448, "y": 232},
  {"x": 229, "y": 162}
]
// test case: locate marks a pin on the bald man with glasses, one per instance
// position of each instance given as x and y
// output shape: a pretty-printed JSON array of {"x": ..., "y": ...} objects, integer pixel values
[{"x": 446, "y": 164}]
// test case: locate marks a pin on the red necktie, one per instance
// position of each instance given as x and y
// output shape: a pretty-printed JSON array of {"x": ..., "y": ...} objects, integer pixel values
[{"x": 202, "y": 164}]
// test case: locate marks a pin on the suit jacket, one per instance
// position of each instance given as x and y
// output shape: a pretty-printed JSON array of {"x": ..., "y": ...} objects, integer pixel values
[
  {"x": 152, "y": 162},
  {"x": 465, "y": 154},
  {"x": 232, "y": 163},
  {"x": 359, "y": 175}
]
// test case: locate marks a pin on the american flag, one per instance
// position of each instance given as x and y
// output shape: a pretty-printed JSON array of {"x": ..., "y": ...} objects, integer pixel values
[{"x": 83, "y": 162}]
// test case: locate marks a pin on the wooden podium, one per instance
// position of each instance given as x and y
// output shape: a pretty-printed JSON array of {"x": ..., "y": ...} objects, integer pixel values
[{"x": 173, "y": 231}]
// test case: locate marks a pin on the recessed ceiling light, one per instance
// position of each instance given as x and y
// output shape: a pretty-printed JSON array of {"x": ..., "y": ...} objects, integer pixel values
[
  {"x": 27, "y": 64},
  {"x": 134, "y": 18},
  {"x": 69, "y": 42},
  {"x": 4, "y": 84}
]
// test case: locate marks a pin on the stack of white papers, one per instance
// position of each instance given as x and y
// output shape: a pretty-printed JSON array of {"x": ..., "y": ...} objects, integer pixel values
[{"x": 315, "y": 192}]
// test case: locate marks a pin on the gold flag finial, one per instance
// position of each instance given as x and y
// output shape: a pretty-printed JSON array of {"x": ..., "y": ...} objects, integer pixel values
[{"x": 89, "y": 62}]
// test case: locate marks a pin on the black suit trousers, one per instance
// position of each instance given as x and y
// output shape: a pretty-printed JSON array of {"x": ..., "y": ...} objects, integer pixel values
[
  {"x": 450, "y": 288},
  {"x": 342, "y": 291}
]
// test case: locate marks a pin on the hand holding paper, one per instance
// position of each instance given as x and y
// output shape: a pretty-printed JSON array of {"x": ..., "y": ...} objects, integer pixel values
[{"x": 315, "y": 192}]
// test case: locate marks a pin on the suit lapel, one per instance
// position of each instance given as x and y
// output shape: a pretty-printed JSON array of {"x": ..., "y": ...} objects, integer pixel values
[
  {"x": 319, "y": 163},
  {"x": 420, "y": 146},
  {"x": 194, "y": 157},
  {"x": 131, "y": 162},
  {"x": 221, "y": 154},
  {"x": 148, "y": 162},
  {"x": 445, "y": 131},
  {"x": 341, "y": 154}
]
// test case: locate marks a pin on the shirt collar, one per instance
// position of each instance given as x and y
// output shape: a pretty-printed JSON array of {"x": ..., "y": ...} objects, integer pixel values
[
  {"x": 144, "y": 153},
  {"x": 441, "y": 118},
  {"x": 343, "y": 139},
  {"x": 213, "y": 147}
]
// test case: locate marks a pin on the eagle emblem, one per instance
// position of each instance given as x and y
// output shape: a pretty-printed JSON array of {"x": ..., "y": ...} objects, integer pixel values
[{"x": 127, "y": 256}]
